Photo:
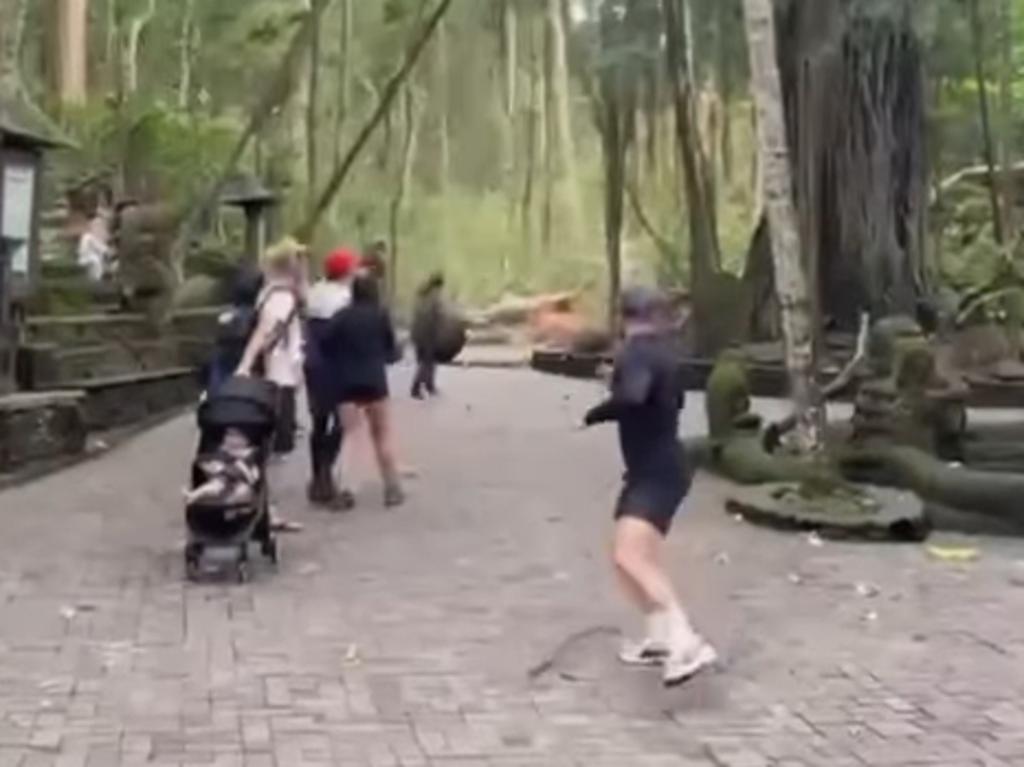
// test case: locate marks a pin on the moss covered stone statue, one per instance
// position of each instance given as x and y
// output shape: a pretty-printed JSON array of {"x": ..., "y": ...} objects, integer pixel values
[{"x": 908, "y": 433}]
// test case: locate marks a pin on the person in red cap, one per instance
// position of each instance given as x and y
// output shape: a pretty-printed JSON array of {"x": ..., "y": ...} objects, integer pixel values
[{"x": 326, "y": 298}]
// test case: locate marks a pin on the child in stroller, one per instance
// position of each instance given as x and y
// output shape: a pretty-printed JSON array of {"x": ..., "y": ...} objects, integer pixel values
[
  {"x": 232, "y": 473},
  {"x": 227, "y": 501}
]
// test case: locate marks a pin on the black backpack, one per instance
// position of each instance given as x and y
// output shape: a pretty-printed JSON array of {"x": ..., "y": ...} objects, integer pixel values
[{"x": 234, "y": 329}]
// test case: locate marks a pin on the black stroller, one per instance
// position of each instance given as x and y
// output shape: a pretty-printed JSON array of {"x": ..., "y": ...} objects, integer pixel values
[{"x": 248, "y": 405}]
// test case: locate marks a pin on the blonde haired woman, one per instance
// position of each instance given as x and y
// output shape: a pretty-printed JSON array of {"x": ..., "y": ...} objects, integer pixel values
[{"x": 274, "y": 350}]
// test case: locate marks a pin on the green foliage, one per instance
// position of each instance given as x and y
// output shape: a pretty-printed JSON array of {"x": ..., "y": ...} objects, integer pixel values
[{"x": 180, "y": 152}]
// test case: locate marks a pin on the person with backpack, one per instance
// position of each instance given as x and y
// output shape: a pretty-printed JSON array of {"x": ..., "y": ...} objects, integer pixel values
[
  {"x": 426, "y": 329},
  {"x": 275, "y": 348},
  {"x": 234, "y": 327},
  {"x": 326, "y": 298}
]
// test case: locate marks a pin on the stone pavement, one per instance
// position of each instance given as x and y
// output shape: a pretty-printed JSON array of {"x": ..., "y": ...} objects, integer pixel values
[{"x": 405, "y": 637}]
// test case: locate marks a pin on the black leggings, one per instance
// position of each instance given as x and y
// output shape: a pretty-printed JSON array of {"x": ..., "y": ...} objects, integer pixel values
[{"x": 325, "y": 442}]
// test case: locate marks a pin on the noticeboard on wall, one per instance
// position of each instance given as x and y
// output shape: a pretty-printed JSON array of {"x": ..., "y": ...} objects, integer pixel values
[{"x": 19, "y": 187}]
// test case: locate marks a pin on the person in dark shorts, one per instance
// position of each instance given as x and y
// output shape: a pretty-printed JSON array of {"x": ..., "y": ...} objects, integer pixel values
[
  {"x": 647, "y": 395},
  {"x": 361, "y": 340},
  {"x": 426, "y": 328}
]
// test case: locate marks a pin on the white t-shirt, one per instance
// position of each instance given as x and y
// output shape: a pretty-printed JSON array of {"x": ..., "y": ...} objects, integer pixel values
[
  {"x": 283, "y": 361},
  {"x": 327, "y": 298},
  {"x": 92, "y": 254}
]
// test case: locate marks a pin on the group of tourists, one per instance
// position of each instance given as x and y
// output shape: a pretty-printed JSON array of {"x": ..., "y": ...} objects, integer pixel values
[
  {"x": 336, "y": 336},
  {"x": 336, "y": 339}
]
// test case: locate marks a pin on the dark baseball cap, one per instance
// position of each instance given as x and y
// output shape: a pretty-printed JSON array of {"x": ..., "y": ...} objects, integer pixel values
[{"x": 640, "y": 302}]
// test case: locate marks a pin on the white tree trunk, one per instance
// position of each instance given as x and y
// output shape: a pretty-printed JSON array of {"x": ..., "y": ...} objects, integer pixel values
[
  {"x": 787, "y": 254},
  {"x": 131, "y": 50},
  {"x": 188, "y": 47},
  {"x": 71, "y": 55},
  {"x": 562, "y": 114}
]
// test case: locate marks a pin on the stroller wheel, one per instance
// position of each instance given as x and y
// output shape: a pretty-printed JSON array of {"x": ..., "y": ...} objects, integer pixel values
[{"x": 193, "y": 554}]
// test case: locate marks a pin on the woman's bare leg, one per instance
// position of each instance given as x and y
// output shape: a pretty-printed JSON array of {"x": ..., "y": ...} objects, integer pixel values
[
  {"x": 378, "y": 414},
  {"x": 351, "y": 423}
]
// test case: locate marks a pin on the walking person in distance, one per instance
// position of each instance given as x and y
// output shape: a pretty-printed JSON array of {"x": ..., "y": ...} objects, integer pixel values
[{"x": 426, "y": 329}]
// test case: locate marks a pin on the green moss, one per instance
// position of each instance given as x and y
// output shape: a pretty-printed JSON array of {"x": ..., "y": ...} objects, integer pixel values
[{"x": 728, "y": 394}]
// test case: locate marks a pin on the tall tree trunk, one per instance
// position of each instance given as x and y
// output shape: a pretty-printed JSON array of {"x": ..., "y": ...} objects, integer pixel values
[
  {"x": 508, "y": 103},
  {"x": 111, "y": 53},
  {"x": 704, "y": 251},
  {"x": 313, "y": 116},
  {"x": 188, "y": 47},
  {"x": 131, "y": 48},
  {"x": 562, "y": 143},
  {"x": 988, "y": 142},
  {"x": 70, "y": 56},
  {"x": 1007, "y": 71},
  {"x": 442, "y": 75},
  {"x": 615, "y": 148},
  {"x": 279, "y": 89},
  {"x": 534, "y": 135},
  {"x": 853, "y": 84},
  {"x": 790, "y": 277},
  {"x": 410, "y": 118},
  {"x": 388, "y": 94},
  {"x": 344, "y": 77}
]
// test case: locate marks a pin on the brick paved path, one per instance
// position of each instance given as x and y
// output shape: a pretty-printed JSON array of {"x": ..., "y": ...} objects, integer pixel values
[{"x": 404, "y": 638}]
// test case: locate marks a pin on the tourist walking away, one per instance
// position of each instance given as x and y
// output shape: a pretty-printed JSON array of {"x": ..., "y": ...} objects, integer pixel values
[
  {"x": 361, "y": 341},
  {"x": 326, "y": 298},
  {"x": 274, "y": 350},
  {"x": 647, "y": 395},
  {"x": 426, "y": 329},
  {"x": 234, "y": 329}
]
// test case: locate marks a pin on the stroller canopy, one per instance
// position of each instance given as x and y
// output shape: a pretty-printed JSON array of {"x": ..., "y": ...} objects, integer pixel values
[{"x": 241, "y": 403}]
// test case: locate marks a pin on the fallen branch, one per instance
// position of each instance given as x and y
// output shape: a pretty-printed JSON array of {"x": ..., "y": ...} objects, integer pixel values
[{"x": 388, "y": 95}]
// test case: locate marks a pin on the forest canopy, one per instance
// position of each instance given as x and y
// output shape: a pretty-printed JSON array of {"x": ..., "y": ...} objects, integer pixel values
[{"x": 541, "y": 144}]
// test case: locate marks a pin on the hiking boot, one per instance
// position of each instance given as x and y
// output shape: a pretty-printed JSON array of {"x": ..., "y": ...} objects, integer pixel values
[
  {"x": 316, "y": 492},
  {"x": 646, "y": 652},
  {"x": 344, "y": 500},
  {"x": 393, "y": 496},
  {"x": 683, "y": 665}
]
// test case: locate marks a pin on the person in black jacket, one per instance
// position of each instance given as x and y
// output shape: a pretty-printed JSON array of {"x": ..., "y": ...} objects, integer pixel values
[
  {"x": 426, "y": 328},
  {"x": 361, "y": 341},
  {"x": 647, "y": 394},
  {"x": 326, "y": 298}
]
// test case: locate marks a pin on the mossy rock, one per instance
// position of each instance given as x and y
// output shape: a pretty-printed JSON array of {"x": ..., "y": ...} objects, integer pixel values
[
  {"x": 840, "y": 510},
  {"x": 743, "y": 459},
  {"x": 728, "y": 394}
]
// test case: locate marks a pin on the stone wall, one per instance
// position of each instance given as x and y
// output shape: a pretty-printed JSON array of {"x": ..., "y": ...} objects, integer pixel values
[{"x": 40, "y": 427}]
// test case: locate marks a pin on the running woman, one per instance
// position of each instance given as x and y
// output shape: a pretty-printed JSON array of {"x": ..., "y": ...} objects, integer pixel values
[{"x": 647, "y": 396}]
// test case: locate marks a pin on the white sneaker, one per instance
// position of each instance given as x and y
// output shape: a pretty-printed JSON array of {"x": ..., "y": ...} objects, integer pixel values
[
  {"x": 646, "y": 652},
  {"x": 683, "y": 666}
]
